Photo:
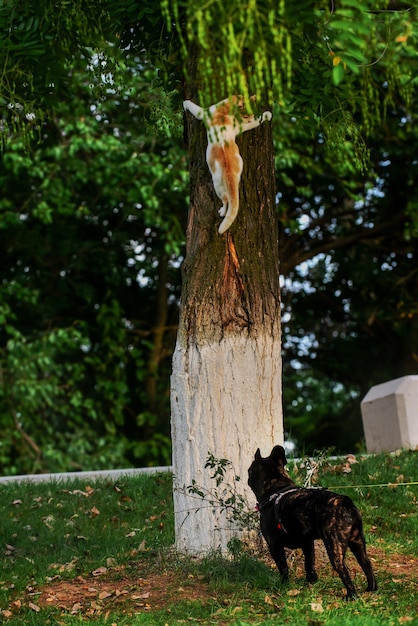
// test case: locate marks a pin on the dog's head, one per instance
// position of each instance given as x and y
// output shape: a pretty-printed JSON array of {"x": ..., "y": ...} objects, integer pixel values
[{"x": 268, "y": 473}]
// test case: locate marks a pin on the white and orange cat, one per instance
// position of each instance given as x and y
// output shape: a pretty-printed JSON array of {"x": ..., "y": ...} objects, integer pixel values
[{"x": 222, "y": 154}]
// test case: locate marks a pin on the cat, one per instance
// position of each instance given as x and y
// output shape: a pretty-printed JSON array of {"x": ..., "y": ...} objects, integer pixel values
[{"x": 222, "y": 154}]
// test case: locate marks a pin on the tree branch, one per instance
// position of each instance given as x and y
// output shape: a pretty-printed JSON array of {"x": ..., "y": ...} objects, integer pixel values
[{"x": 326, "y": 245}]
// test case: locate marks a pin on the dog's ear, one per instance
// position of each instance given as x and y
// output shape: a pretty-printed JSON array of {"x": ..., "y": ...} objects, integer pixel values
[
  {"x": 257, "y": 455},
  {"x": 278, "y": 456}
]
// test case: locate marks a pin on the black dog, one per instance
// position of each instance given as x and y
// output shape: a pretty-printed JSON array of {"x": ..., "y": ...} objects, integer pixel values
[{"x": 293, "y": 517}]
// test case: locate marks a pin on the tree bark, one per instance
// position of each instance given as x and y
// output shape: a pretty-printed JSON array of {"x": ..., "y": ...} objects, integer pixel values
[
  {"x": 156, "y": 350},
  {"x": 226, "y": 380}
]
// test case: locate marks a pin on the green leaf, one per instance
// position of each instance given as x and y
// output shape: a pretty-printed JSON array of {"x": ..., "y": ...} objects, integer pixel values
[{"x": 337, "y": 74}]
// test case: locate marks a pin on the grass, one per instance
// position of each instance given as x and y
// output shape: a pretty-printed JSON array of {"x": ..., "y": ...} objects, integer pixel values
[{"x": 76, "y": 553}]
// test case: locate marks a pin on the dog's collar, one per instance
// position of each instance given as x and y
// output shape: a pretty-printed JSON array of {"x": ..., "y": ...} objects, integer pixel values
[{"x": 276, "y": 497}]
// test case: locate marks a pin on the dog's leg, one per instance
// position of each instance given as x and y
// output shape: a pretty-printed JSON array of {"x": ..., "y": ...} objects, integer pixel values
[
  {"x": 358, "y": 548},
  {"x": 279, "y": 556},
  {"x": 336, "y": 549},
  {"x": 309, "y": 554}
]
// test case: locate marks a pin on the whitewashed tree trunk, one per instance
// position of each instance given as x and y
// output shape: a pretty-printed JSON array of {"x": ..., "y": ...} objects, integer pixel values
[
  {"x": 226, "y": 380},
  {"x": 226, "y": 399}
]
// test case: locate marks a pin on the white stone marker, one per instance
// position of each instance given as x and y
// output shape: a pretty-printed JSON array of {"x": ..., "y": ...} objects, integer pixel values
[{"x": 390, "y": 415}]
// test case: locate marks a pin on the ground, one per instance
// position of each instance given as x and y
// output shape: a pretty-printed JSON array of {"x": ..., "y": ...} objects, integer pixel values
[
  {"x": 99, "y": 593},
  {"x": 92, "y": 595}
]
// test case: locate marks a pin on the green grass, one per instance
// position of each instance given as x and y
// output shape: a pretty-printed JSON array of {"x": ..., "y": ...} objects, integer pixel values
[
  {"x": 393, "y": 510},
  {"x": 63, "y": 533}
]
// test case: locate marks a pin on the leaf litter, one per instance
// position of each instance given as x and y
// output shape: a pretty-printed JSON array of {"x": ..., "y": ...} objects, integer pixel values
[
  {"x": 97, "y": 593},
  {"x": 93, "y": 595}
]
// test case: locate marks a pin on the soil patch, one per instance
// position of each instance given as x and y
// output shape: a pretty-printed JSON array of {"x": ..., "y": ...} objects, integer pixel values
[{"x": 96, "y": 594}]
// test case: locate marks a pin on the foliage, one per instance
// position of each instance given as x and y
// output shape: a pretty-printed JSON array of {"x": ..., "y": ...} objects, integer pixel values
[
  {"x": 42, "y": 42},
  {"x": 224, "y": 496},
  {"x": 349, "y": 294},
  {"x": 94, "y": 217},
  {"x": 102, "y": 552},
  {"x": 39, "y": 40},
  {"x": 335, "y": 67}
]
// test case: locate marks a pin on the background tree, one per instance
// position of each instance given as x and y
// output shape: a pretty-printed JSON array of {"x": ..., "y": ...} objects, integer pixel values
[
  {"x": 93, "y": 218},
  {"x": 351, "y": 284}
]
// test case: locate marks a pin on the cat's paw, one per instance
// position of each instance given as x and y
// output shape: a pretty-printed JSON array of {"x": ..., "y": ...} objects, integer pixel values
[
  {"x": 186, "y": 105},
  {"x": 222, "y": 211},
  {"x": 267, "y": 115}
]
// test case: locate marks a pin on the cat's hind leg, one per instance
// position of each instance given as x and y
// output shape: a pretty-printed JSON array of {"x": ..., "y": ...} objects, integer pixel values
[{"x": 222, "y": 211}]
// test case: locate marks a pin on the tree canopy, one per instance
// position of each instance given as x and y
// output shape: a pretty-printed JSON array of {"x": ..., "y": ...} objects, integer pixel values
[
  {"x": 335, "y": 66},
  {"x": 92, "y": 220}
]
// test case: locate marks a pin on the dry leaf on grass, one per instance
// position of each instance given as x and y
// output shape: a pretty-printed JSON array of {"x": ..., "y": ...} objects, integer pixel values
[
  {"x": 141, "y": 596},
  {"x": 76, "y": 608},
  {"x": 104, "y": 594},
  {"x": 293, "y": 592},
  {"x": 99, "y": 571}
]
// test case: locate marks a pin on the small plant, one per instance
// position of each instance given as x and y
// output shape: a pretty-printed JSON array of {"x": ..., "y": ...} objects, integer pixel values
[
  {"x": 312, "y": 465},
  {"x": 225, "y": 497}
]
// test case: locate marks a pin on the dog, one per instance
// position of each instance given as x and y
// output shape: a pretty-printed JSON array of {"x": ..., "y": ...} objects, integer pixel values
[{"x": 293, "y": 517}]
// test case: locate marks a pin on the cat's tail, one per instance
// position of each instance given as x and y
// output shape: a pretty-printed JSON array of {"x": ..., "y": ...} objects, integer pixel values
[
  {"x": 232, "y": 175},
  {"x": 231, "y": 214}
]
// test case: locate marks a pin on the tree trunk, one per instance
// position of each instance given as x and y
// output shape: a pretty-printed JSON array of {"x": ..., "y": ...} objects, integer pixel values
[
  {"x": 155, "y": 353},
  {"x": 226, "y": 380}
]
